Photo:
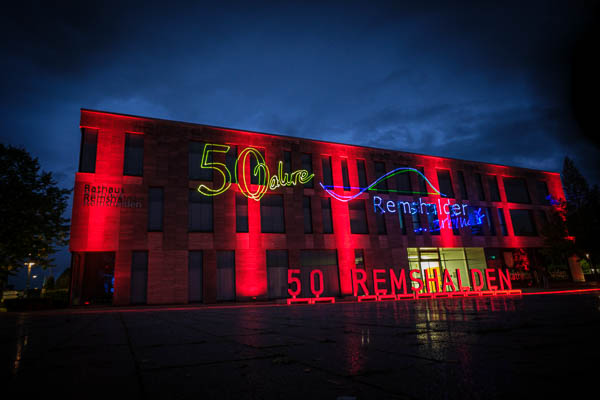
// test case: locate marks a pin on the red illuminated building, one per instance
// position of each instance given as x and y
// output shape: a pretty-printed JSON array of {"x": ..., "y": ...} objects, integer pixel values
[{"x": 175, "y": 212}]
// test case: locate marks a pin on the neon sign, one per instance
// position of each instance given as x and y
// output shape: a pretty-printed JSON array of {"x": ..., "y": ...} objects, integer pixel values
[
  {"x": 456, "y": 215},
  {"x": 261, "y": 171},
  {"x": 371, "y": 187}
]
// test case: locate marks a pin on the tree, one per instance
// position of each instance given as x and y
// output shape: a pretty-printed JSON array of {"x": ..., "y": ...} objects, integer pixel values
[
  {"x": 578, "y": 217},
  {"x": 575, "y": 186},
  {"x": 31, "y": 211},
  {"x": 558, "y": 244},
  {"x": 49, "y": 283},
  {"x": 64, "y": 280}
]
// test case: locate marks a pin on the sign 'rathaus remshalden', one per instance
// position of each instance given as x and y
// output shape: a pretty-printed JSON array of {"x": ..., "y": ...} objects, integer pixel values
[{"x": 109, "y": 196}]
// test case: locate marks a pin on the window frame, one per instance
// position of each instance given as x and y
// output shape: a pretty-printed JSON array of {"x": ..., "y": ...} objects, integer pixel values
[
  {"x": 83, "y": 147},
  {"x": 128, "y": 136},
  {"x": 162, "y": 209}
]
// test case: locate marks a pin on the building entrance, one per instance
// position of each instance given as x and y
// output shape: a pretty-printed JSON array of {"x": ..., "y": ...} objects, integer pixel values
[
  {"x": 456, "y": 260},
  {"x": 93, "y": 278}
]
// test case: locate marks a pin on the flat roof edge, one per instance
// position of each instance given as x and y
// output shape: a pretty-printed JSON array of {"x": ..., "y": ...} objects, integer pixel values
[{"x": 303, "y": 138}]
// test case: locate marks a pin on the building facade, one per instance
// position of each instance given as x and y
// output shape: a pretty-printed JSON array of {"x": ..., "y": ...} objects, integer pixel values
[{"x": 172, "y": 212}]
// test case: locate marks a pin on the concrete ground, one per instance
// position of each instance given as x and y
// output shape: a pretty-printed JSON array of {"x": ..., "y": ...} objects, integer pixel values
[{"x": 530, "y": 346}]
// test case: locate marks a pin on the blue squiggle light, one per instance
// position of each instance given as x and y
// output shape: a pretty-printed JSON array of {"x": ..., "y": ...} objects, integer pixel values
[
  {"x": 346, "y": 198},
  {"x": 552, "y": 200},
  {"x": 455, "y": 221}
]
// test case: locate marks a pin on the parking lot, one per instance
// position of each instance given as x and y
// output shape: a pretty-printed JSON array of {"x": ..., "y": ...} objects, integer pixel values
[{"x": 538, "y": 345}]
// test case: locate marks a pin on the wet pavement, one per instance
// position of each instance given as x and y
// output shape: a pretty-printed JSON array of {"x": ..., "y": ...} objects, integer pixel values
[{"x": 531, "y": 346}]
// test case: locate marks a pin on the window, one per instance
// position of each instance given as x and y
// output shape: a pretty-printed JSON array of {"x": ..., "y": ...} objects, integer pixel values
[
  {"x": 94, "y": 278},
  {"x": 359, "y": 259},
  {"x": 155, "y": 209},
  {"x": 225, "y": 275},
  {"x": 241, "y": 213},
  {"x": 194, "y": 276},
  {"x": 493, "y": 186},
  {"x": 359, "y": 263},
  {"x": 307, "y": 214},
  {"x": 327, "y": 174},
  {"x": 307, "y": 165},
  {"x": 453, "y": 259},
  {"x": 402, "y": 223},
  {"x": 271, "y": 214},
  {"x": 230, "y": 159},
  {"x": 358, "y": 217},
  {"x": 516, "y": 190},
  {"x": 277, "y": 268},
  {"x": 541, "y": 188},
  {"x": 476, "y": 230},
  {"x": 522, "y": 221},
  {"x": 139, "y": 276},
  {"x": 403, "y": 185},
  {"x": 382, "y": 186},
  {"x": 479, "y": 185},
  {"x": 452, "y": 221},
  {"x": 195, "y": 172},
  {"x": 200, "y": 212},
  {"x": 416, "y": 224},
  {"x": 326, "y": 261},
  {"x": 502, "y": 222},
  {"x": 542, "y": 220},
  {"x": 422, "y": 184},
  {"x": 434, "y": 223},
  {"x": 87, "y": 152},
  {"x": 254, "y": 174},
  {"x": 455, "y": 221},
  {"x": 476, "y": 261},
  {"x": 476, "y": 216},
  {"x": 287, "y": 161},
  {"x": 327, "y": 217},
  {"x": 445, "y": 183},
  {"x": 277, "y": 259},
  {"x": 345, "y": 177},
  {"x": 490, "y": 222},
  {"x": 462, "y": 185},
  {"x": 380, "y": 219},
  {"x": 134, "y": 154},
  {"x": 362, "y": 173}
]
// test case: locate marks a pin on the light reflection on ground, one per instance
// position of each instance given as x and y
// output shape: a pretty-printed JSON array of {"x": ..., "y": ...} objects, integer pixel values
[{"x": 451, "y": 348}]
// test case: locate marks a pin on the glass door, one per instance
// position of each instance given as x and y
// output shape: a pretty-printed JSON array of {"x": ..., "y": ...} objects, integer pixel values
[
  {"x": 429, "y": 264},
  {"x": 430, "y": 269},
  {"x": 93, "y": 278}
]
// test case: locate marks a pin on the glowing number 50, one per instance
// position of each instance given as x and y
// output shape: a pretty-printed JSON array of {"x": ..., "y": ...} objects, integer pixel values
[
  {"x": 222, "y": 168},
  {"x": 292, "y": 280},
  {"x": 261, "y": 170}
]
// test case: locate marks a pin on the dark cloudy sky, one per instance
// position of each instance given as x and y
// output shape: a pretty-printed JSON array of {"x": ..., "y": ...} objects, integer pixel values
[{"x": 511, "y": 83}]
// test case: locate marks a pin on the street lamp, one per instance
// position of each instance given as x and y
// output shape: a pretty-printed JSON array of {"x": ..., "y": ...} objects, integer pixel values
[
  {"x": 594, "y": 271},
  {"x": 29, "y": 265}
]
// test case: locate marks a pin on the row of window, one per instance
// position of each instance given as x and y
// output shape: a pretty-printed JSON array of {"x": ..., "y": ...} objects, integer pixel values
[
  {"x": 272, "y": 217},
  {"x": 277, "y": 274},
  {"x": 133, "y": 164},
  {"x": 277, "y": 264},
  {"x": 522, "y": 221},
  {"x": 516, "y": 189}
]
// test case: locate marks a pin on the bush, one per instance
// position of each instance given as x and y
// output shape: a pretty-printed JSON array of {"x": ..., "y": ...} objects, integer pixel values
[{"x": 52, "y": 299}]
